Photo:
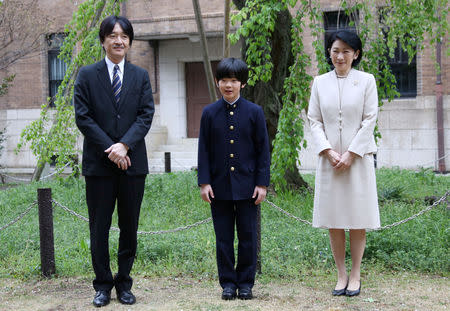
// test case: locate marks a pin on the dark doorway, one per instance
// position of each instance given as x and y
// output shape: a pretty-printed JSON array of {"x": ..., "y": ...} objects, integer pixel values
[{"x": 197, "y": 95}]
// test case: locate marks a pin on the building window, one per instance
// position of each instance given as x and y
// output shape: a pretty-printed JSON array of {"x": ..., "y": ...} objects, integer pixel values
[
  {"x": 405, "y": 74},
  {"x": 56, "y": 67},
  {"x": 338, "y": 20}
]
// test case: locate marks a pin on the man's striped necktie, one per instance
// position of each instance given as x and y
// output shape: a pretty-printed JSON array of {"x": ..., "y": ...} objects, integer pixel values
[{"x": 116, "y": 84}]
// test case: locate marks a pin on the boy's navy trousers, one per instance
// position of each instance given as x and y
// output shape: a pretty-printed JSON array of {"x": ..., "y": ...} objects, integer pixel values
[{"x": 226, "y": 215}]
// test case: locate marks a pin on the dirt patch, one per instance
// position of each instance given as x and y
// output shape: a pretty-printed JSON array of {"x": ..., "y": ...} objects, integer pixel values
[{"x": 400, "y": 291}]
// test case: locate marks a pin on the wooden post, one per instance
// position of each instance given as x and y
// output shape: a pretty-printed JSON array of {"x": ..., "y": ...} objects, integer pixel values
[
  {"x": 167, "y": 166},
  {"x": 204, "y": 45},
  {"x": 46, "y": 231}
]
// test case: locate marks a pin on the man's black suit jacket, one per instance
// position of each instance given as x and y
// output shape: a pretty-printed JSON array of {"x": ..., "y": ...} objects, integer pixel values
[
  {"x": 235, "y": 160},
  {"x": 104, "y": 123}
]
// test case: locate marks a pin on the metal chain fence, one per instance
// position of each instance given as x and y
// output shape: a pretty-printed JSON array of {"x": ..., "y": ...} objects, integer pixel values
[
  {"x": 426, "y": 209},
  {"x": 12, "y": 222},
  {"x": 29, "y": 179},
  {"x": 198, "y": 223},
  {"x": 201, "y": 222}
]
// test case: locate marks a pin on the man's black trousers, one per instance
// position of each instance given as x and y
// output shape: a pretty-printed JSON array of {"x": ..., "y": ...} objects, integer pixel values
[{"x": 102, "y": 193}]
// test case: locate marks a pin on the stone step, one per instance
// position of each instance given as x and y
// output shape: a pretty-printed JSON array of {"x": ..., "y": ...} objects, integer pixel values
[
  {"x": 158, "y": 165},
  {"x": 190, "y": 146},
  {"x": 174, "y": 155}
]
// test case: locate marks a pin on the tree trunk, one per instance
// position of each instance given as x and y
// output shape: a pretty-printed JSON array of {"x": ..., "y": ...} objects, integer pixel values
[
  {"x": 269, "y": 95},
  {"x": 226, "y": 29},
  {"x": 206, "y": 61}
]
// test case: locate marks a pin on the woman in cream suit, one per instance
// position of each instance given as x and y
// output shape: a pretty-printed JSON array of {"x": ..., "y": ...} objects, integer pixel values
[{"x": 342, "y": 113}]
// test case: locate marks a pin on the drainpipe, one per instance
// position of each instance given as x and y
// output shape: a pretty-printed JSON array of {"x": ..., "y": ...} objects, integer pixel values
[
  {"x": 124, "y": 9},
  {"x": 440, "y": 111}
]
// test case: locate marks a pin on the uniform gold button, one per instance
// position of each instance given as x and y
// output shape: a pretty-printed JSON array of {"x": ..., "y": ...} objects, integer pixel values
[
  {"x": 231, "y": 155},
  {"x": 234, "y": 106},
  {"x": 231, "y": 127},
  {"x": 231, "y": 141},
  {"x": 232, "y": 168},
  {"x": 231, "y": 113}
]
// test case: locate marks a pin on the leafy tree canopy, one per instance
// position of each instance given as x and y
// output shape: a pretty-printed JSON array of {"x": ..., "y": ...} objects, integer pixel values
[{"x": 408, "y": 21}]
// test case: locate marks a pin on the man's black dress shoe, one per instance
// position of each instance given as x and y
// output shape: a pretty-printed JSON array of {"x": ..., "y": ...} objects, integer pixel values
[
  {"x": 245, "y": 293},
  {"x": 102, "y": 298},
  {"x": 228, "y": 293},
  {"x": 351, "y": 293},
  {"x": 126, "y": 297}
]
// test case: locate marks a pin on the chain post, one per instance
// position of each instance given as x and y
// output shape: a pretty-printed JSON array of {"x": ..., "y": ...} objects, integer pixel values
[
  {"x": 46, "y": 231},
  {"x": 167, "y": 167}
]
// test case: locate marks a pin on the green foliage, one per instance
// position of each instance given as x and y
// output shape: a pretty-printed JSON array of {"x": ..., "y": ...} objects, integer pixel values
[
  {"x": 6, "y": 83},
  {"x": 407, "y": 22},
  {"x": 55, "y": 133},
  {"x": 289, "y": 249},
  {"x": 289, "y": 137},
  {"x": 257, "y": 20}
]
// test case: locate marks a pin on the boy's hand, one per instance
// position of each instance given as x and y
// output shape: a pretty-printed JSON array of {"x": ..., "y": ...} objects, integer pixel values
[
  {"x": 206, "y": 192},
  {"x": 259, "y": 193}
]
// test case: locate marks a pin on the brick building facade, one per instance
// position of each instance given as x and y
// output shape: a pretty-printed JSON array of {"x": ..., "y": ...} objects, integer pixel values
[{"x": 167, "y": 45}]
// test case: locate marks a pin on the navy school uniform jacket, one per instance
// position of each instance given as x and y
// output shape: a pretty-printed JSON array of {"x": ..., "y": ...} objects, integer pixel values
[{"x": 233, "y": 149}]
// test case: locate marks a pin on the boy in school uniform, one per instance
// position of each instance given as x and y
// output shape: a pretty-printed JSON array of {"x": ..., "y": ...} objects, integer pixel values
[{"x": 233, "y": 175}]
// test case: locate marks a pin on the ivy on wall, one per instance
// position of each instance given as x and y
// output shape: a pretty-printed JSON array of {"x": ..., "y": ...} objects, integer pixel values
[{"x": 405, "y": 21}]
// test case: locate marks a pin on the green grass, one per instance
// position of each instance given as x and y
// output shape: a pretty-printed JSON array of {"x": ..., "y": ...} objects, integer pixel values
[{"x": 289, "y": 249}]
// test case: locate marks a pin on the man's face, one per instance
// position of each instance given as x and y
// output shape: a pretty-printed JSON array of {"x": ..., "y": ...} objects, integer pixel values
[
  {"x": 116, "y": 44},
  {"x": 230, "y": 88}
]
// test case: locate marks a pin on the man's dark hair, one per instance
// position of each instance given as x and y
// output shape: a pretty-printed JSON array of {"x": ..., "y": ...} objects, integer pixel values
[
  {"x": 232, "y": 68},
  {"x": 107, "y": 27},
  {"x": 349, "y": 37}
]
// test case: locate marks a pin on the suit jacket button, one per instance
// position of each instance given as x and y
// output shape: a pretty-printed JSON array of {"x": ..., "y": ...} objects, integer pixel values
[
  {"x": 231, "y": 141},
  {"x": 232, "y": 168},
  {"x": 231, "y": 127},
  {"x": 231, "y": 113},
  {"x": 118, "y": 116},
  {"x": 231, "y": 155}
]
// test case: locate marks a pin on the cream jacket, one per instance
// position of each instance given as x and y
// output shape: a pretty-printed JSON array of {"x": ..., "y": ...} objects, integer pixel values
[{"x": 344, "y": 118}]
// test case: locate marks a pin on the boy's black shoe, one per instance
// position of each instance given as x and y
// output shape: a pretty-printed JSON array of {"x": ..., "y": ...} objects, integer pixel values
[
  {"x": 228, "y": 293},
  {"x": 126, "y": 297},
  {"x": 102, "y": 298},
  {"x": 245, "y": 293}
]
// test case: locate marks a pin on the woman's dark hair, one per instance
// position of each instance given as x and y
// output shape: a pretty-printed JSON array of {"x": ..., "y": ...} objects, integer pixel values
[
  {"x": 349, "y": 37},
  {"x": 107, "y": 27},
  {"x": 232, "y": 68}
]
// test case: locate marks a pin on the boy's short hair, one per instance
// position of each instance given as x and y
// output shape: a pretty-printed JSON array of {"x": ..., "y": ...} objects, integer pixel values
[
  {"x": 107, "y": 26},
  {"x": 232, "y": 68}
]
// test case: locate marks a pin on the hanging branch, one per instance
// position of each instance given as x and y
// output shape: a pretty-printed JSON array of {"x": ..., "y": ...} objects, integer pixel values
[{"x": 55, "y": 132}]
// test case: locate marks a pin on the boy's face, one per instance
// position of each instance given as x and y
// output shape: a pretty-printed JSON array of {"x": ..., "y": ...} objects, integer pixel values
[{"x": 230, "y": 88}]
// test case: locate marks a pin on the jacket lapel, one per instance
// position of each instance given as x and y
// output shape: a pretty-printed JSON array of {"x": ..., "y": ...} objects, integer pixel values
[
  {"x": 105, "y": 81},
  {"x": 129, "y": 78}
]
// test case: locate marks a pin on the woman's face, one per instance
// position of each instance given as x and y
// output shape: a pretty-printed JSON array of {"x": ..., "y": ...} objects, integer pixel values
[{"x": 342, "y": 56}]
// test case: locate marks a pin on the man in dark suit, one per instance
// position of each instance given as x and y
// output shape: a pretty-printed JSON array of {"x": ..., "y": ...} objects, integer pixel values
[
  {"x": 233, "y": 173},
  {"x": 114, "y": 110}
]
